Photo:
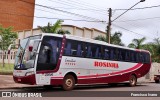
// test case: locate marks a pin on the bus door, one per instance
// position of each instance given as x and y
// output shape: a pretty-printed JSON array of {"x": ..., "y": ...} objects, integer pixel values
[{"x": 47, "y": 59}]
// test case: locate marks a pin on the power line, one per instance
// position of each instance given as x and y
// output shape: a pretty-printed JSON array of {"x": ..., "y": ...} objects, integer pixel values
[
  {"x": 139, "y": 19},
  {"x": 62, "y": 11},
  {"x": 77, "y": 6},
  {"x": 84, "y": 4},
  {"x": 88, "y": 5},
  {"x": 51, "y": 18},
  {"x": 139, "y": 8},
  {"x": 126, "y": 11},
  {"x": 52, "y": 12},
  {"x": 131, "y": 31},
  {"x": 89, "y": 9}
]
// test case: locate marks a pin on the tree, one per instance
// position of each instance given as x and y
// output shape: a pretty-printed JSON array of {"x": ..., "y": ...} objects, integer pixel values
[
  {"x": 114, "y": 39},
  {"x": 137, "y": 43},
  {"x": 7, "y": 37},
  {"x": 152, "y": 47},
  {"x": 56, "y": 28},
  {"x": 155, "y": 50}
]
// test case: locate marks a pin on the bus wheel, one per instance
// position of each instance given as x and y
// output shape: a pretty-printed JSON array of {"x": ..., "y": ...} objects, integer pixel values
[
  {"x": 112, "y": 84},
  {"x": 132, "y": 80},
  {"x": 48, "y": 87},
  {"x": 68, "y": 82},
  {"x": 156, "y": 81}
]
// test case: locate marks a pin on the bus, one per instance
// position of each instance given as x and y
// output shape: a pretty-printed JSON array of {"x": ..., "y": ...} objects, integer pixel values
[{"x": 67, "y": 61}]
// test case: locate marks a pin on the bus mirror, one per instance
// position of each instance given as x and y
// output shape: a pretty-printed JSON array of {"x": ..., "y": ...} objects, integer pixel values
[
  {"x": 30, "y": 47},
  {"x": 9, "y": 48},
  {"x": 8, "y": 51},
  {"x": 31, "y": 44}
]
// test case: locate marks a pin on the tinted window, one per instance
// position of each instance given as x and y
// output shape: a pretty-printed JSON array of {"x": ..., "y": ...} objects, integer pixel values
[
  {"x": 49, "y": 53},
  {"x": 74, "y": 48},
  {"x": 105, "y": 52},
  {"x": 96, "y": 51}
]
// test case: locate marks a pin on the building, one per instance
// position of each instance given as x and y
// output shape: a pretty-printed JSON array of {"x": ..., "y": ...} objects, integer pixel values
[
  {"x": 16, "y": 13},
  {"x": 74, "y": 30}
]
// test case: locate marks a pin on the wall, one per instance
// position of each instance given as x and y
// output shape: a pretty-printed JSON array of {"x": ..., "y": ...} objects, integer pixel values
[{"x": 14, "y": 13}]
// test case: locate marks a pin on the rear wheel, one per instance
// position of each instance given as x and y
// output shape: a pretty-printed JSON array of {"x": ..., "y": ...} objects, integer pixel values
[
  {"x": 68, "y": 82},
  {"x": 48, "y": 87},
  {"x": 112, "y": 84},
  {"x": 157, "y": 81},
  {"x": 132, "y": 80}
]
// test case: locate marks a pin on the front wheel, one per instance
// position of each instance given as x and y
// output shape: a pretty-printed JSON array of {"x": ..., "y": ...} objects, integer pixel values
[
  {"x": 132, "y": 80},
  {"x": 156, "y": 81},
  {"x": 68, "y": 82},
  {"x": 48, "y": 87}
]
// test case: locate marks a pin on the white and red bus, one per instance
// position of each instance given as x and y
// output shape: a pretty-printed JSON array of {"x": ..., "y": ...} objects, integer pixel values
[{"x": 66, "y": 60}]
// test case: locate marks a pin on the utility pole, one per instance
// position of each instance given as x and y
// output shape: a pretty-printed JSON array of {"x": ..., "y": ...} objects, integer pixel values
[
  {"x": 109, "y": 21},
  {"x": 109, "y": 25}
]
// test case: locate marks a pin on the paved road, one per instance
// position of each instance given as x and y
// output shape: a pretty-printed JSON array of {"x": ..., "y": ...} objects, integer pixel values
[{"x": 95, "y": 91}]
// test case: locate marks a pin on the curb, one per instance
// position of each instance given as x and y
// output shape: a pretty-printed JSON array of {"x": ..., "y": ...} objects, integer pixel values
[
  {"x": 6, "y": 73},
  {"x": 16, "y": 87},
  {"x": 10, "y": 88}
]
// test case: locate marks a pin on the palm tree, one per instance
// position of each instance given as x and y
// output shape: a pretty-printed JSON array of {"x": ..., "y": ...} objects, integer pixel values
[
  {"x": 156, "y": 49},
  {"x": 54, "y": 28},
  {"x": 137, "y": 43},
  {"x": 114, "y": 39}
]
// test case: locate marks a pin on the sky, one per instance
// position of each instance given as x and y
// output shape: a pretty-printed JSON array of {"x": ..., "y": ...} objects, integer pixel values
[{"x": 137, "y": 23}]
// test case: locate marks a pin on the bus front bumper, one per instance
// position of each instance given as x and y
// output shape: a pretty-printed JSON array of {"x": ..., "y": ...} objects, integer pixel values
[{"x": 30, "y": 79}]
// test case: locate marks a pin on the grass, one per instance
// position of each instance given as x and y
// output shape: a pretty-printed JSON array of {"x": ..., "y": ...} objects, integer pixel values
[{"x": 7, "y": 69}]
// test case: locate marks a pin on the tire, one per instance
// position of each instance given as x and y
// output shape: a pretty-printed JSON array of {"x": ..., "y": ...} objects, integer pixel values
[
  {"x": 68, "y": 83},
  {"x": 132, "y": 81},
  {"x": 156, "y": 81},
  {"x": 112, "y": 84},
  {"x": 48, "y": 87}
]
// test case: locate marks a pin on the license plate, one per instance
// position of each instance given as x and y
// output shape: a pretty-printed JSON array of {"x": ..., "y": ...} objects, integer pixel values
[{"x": 19, "y": 80}]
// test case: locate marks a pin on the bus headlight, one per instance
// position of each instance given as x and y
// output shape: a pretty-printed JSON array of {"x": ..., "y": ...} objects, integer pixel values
[{"x": 29, "y": 73}]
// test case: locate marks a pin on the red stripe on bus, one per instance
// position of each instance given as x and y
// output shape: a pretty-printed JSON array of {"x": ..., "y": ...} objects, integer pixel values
[
  {"x": 115, "y": 73},
  {"x": 120, "y": 72}
]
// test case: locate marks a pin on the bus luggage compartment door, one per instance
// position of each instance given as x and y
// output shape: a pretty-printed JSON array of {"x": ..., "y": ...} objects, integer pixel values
[{"x": 43, "y": 79}]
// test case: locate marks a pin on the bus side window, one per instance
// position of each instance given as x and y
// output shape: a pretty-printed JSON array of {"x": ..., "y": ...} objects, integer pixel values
[
  {"x": 142, "y": 57},
  {"x": 53, "y": 45},
  {"x": 137, "y": 57},
  {"x": 132, "y": 57},
  {"x": 79, "y": 50},
  {"x": 89, "y": 51},
  {"x": 126, "y": 56},
  {"x": 68, "y": 51},
  {"x": 112, "y": 55},
  {"x": 120, "y": 56},
  {"x": 97, "y": 51},
  {"x": 106, "y": 53},
  {"x": 74, "y": 44},
  {"x": 42, "y": 54},
  {"x": 148, "y": 58},
  {"x": 84, "y": 49},
  {"x": 117, "y": 52}
]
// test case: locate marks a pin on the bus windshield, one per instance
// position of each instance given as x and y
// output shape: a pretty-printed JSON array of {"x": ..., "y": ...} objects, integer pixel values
[{"x": 24, "y": 58}]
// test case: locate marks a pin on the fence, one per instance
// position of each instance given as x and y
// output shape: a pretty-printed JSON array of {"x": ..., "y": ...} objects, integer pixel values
[{"x": 8, "y": 61}]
